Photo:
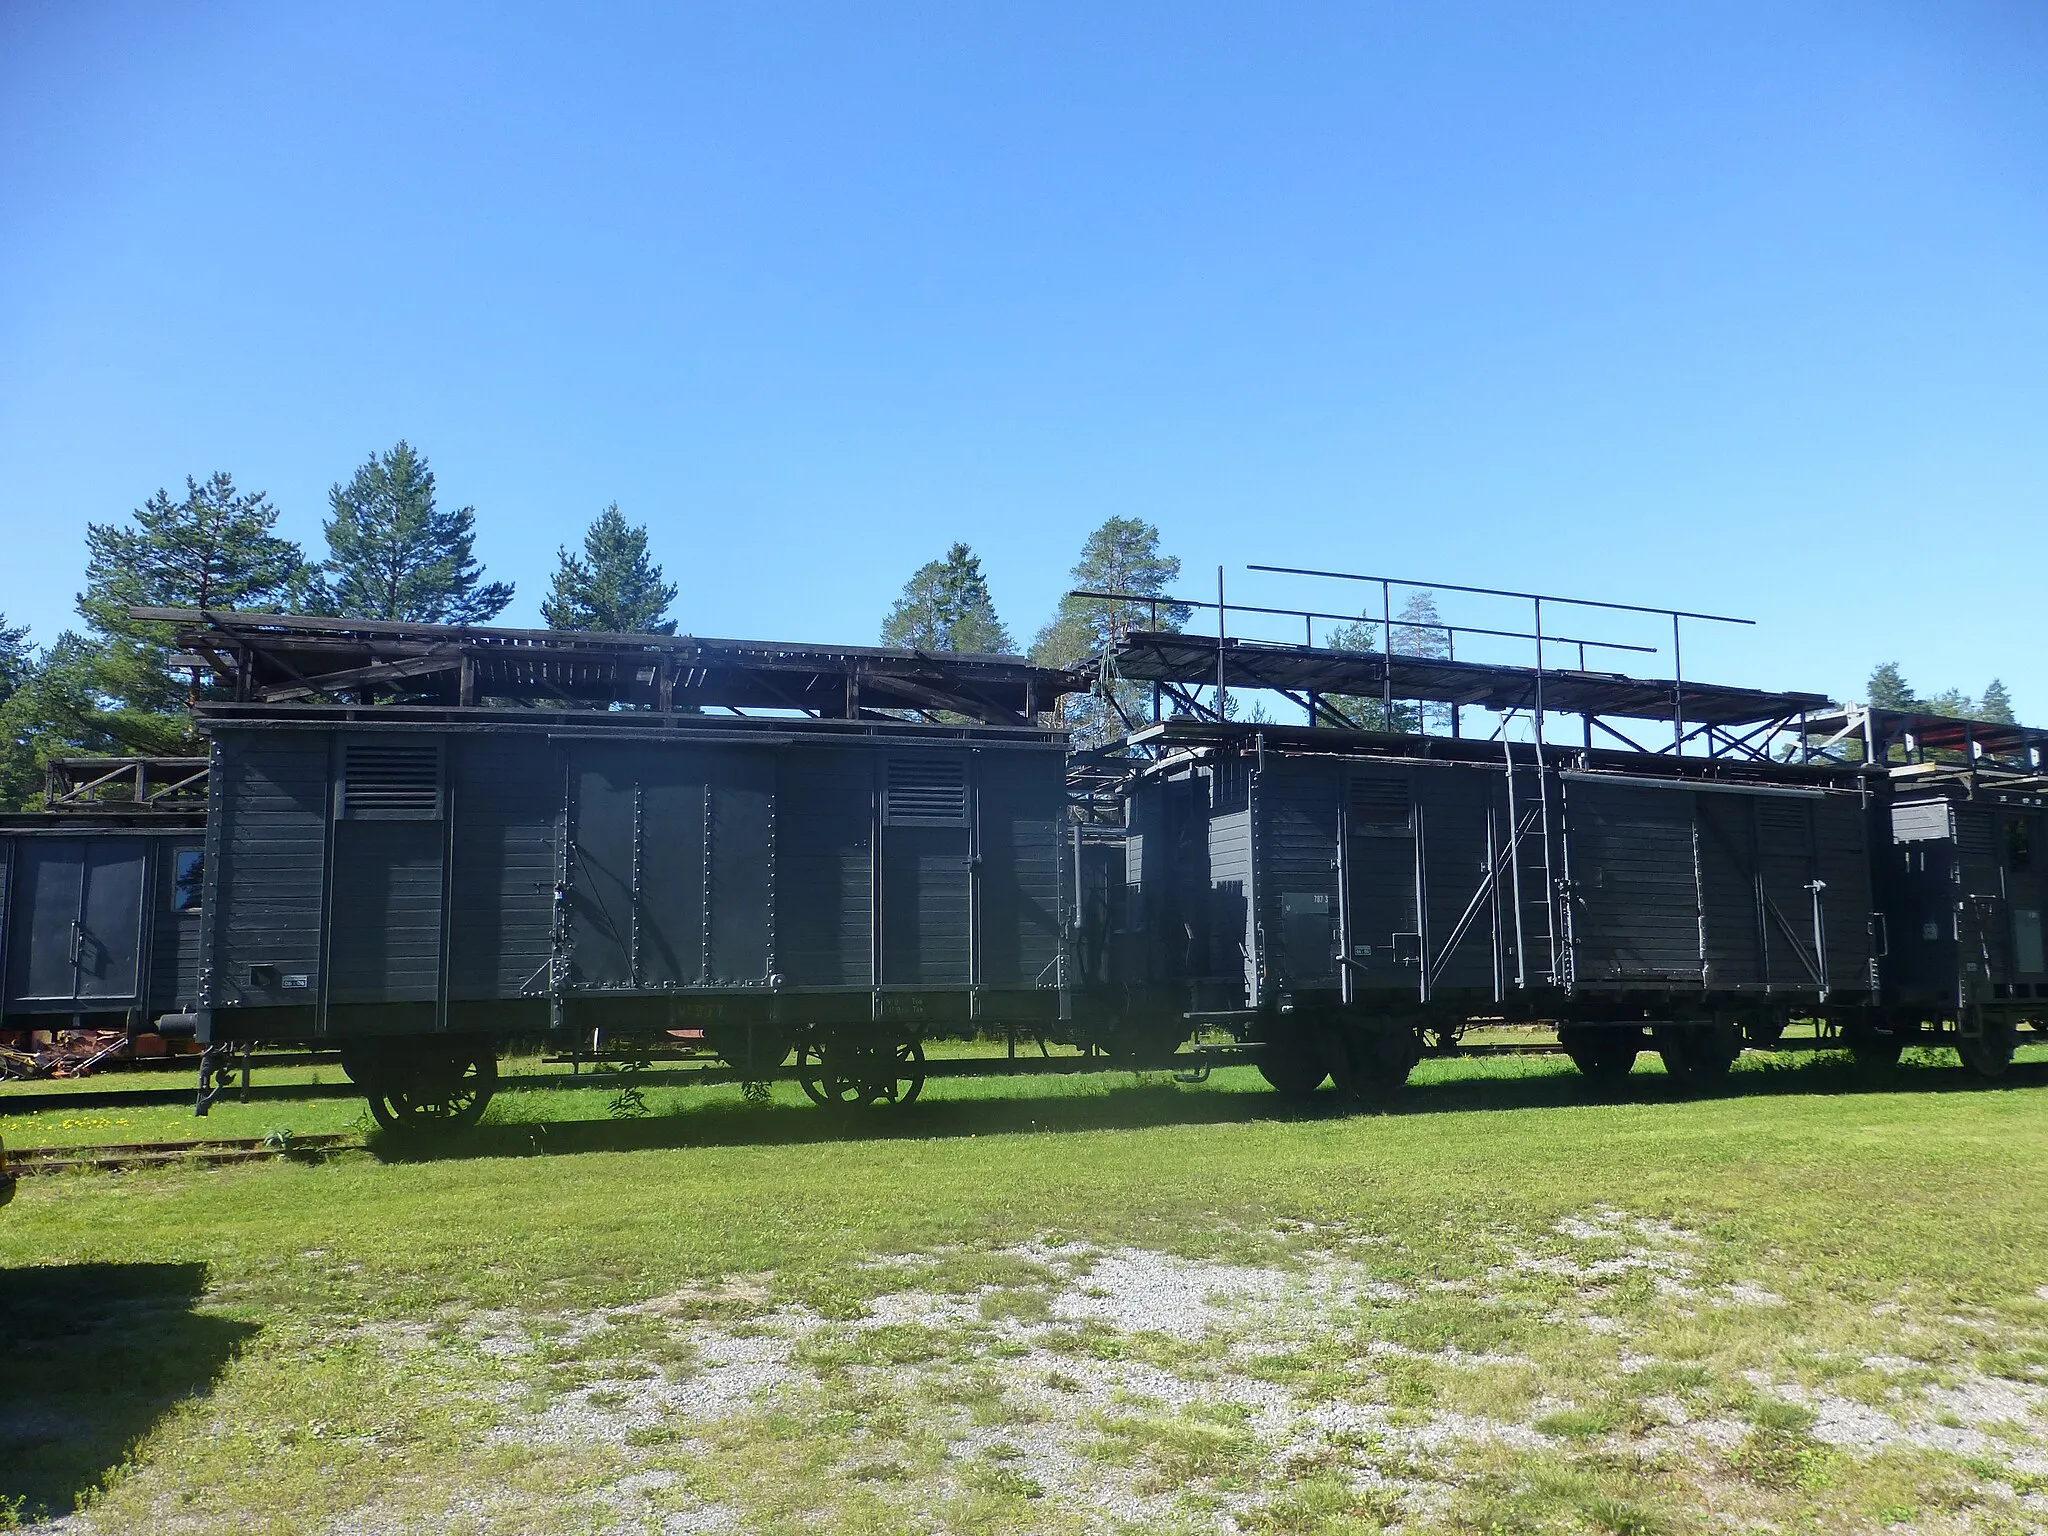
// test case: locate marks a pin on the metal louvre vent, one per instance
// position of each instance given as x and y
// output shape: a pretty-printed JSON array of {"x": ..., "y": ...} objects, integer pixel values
[
  {"x": 1379, "y": 807},
  {"x": 390, "y": 781},
  {"x": 926, "y": 791},
  {"x": 1975, "y": 835}
]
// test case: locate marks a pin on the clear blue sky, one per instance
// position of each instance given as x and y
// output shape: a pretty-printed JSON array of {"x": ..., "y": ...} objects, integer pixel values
[{"x": 1721, "y": 305}]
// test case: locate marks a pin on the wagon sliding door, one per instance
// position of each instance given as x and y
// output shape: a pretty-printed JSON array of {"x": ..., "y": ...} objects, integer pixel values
[
  {"x": 75, "y": 924},
  {"x": 385, "y": 939},
  {"x": 926, "y": 880},
  {"x": 1635, "y": 885},
  {"x": 1379, "y": 883},
  {"x": 671, "y": 863}
]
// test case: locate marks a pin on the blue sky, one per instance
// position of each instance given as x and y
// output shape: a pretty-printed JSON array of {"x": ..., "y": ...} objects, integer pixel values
[{"x": 1731, "y": 306}]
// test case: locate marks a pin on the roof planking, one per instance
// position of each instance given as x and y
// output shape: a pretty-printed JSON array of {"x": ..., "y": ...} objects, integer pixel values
[{"x": 269, "y": 658}]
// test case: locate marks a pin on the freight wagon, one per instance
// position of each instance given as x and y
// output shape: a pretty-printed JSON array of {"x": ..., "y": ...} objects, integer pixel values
[
  {"x": 1341, "y": 898},
  {"x": 100, "y": 897},
  {"x": 416, "y": 882},
  {"x": 1965, "y": 897},
  {"x": 423, "y": 842}
]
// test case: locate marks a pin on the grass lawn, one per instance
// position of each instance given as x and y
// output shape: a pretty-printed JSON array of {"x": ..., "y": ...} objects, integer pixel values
[{"x": 1813, "y": 1302}]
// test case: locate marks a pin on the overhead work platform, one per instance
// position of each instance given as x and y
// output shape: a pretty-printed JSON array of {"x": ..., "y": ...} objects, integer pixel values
[
  {"x": 287, "y": 658},
  {"x": 1320, "y": 681},
  {"x": 1414, "y": 663},
  {"x": 1869, "y": 734}
]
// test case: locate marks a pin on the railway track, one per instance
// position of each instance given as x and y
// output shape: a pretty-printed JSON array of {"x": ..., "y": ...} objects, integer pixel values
[{"x": 116, "y": 1157}]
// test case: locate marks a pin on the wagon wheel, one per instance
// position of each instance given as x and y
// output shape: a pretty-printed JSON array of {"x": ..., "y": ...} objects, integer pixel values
[
  {"x": 811, "y": 1069},
  {"x": 1370, "y": 1063},
  {"x": 1697, "y": 1055},
  {"x": 840, "y": 1067},
  {"x": 1603, "y": 1055},
  {"x": 1293, "y": 1062},
  {"x": 1874, "y": 1048},
  {"x": 442, "y": 1092},
  {"x": 1988, "y": 1052}
]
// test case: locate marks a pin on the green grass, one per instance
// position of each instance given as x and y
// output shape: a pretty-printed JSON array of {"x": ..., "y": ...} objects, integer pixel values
[{"x": 277, "y": 1347}]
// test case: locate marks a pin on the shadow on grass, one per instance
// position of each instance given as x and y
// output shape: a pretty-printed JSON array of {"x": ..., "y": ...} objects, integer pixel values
[
  {"x": 91, "y": 1355},
  {"x": 1153, "y": 1099}
]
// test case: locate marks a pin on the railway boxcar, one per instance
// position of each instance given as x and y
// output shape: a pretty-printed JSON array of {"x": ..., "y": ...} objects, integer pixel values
[
  {"x": 416, "y": 880},
  {"x": 1343, "y": 897},
  {"x": 1966, "y": 880},
  {"x": 415, "y": 885},
  {"x": 99, "y": 918}
]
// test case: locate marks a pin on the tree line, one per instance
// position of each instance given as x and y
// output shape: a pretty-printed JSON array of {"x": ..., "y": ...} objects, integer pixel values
[
  {"x": 392, "y": 552},
  {"x": 1889, "y": 689}
]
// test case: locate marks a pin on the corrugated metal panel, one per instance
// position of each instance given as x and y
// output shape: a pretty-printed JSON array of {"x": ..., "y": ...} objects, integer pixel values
[
  {"x": 824, "y": 867},
  {"x": 1635, "y": 896},
  {"x": 504, "y": 798},
  {"x": 270, "y": 808},
  {"x": 1920, "y": 820},
  {"x": 1022, "y": 803}
]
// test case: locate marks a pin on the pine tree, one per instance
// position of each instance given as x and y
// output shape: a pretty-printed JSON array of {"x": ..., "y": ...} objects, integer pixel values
[
  {"x": 17, "y": 658},
  {"x": 1121, "y": 556},
  {"x": 612, "y": 587},
  {"x": 1889, "y": 688},
  {"x": 216, "y": 548},
  {"x": 1996, "y": 705},
  {"x": 946, "y": 606},
  {"x": 18, "y": 726},
  {"x": 1417, "y": 632},
  {"x": 393, "y": 554}
]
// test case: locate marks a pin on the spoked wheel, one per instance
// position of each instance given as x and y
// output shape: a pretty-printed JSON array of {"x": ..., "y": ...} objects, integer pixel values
[
  {"x": 849, "y": 1068},
  {"x": 1988, "y": 1052},
  {"x": 1698, "y": 1054},
  {"x": 441, "y": 1088},
  {"x": 1293, "y": 1065},
  {"x": 1603, "y": 1055}
]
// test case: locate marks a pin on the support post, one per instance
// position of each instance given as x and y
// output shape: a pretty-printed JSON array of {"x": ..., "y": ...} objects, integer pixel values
[{"x": 1222, "y": 617}]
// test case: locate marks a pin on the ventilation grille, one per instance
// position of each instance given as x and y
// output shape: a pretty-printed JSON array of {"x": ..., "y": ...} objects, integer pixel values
[
  {"x": 926, "y": 792},
  {"x": 1379, "y": 807},
  {"x": 1975, "y": 835},
  {"x": 391, "y": 781}
]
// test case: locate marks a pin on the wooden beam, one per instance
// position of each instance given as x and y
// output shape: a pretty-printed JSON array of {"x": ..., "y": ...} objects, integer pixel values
[{"x": 363, "y": 677}]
